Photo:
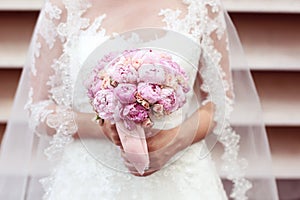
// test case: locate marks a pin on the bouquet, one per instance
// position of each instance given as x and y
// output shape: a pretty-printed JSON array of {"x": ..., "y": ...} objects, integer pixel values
[{"x": 132, "y": 88}]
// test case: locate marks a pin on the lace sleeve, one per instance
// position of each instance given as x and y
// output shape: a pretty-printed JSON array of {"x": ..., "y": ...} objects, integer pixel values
[
  {"x": 45, "y": 49},
  {"x": 215, "y": 67},
  {"x": 216, "y": 75},
  {"x": 214, "y": 63},
  {"x": 48, "y": 104}
]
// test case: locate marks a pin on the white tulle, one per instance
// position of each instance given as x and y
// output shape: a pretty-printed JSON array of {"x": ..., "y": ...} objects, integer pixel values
[
  {"x": 48, "y": 82},
  {"x": 81, "y": 176}
]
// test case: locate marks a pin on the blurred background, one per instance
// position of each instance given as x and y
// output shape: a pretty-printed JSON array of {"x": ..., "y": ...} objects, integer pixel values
[{"x": 270, "y": 33}]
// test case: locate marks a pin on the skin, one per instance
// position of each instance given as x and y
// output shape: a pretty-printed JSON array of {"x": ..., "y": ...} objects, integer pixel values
[
  {"x": 119, "y": 21},
  {"x": 166, "y": 143}
]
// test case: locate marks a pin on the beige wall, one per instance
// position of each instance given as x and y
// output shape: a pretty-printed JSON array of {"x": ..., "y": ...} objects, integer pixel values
[{"x": 270, "y": 32}]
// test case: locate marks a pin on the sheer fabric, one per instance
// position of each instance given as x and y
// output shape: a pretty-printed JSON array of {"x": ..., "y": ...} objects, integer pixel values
[{"x": 31, "y": 150}]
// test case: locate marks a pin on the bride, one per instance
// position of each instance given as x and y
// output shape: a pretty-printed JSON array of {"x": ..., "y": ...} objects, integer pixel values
[{"x": 56, "y": 157}]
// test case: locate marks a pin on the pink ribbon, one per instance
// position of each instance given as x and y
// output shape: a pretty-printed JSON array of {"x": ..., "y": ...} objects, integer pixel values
[{"x": 135, "y": 146}]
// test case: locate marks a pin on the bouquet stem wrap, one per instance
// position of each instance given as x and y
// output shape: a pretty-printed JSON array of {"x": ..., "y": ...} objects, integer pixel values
[
  {"x": 134, "y": 89},
  {"x": 135, "y": 146}
]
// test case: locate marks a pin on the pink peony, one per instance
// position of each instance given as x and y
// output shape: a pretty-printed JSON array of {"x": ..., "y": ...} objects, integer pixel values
[
  {"x": 183, "y": 82},
  {"x": 151, "y": 57},
  {"x": 94, "y": 88},
  {"x": 134, "y": 112},
  {"x": 94, "y": 82},
  {"x": 137, "y": 59},
  {"x": 104, "y": 104},
  {"x": 151, "y": 73},
  {"x": 168, "y": 100},
  {"x": 125, "y": 93},
  {"x": 172, "y": 66},
  {"x": 99, "y": 68},
  {"x": 180, "y": 96},
  {"x": 124, "y": 74},
  {"x": 150, "y": 92},
  {"x": 124, "y": 61},
  {"x": 108, "y": 57},
  {"x": 171, "y": 81},
  {"x": 135, "y": 84},
  {"x": 165, "y": 56}
]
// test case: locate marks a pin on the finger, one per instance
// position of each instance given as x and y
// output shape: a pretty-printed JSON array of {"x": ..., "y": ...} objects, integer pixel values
[
  {"x": 106, "y": 134},
  {"x": 123, "y": 154},
  {"x": 109, "y": 131},
  {"x": 103, "y": 128},
  {"x": 115, "y": 138},
  {"x": 118, "y": 143},
  {"x": 101, "y": 122}
]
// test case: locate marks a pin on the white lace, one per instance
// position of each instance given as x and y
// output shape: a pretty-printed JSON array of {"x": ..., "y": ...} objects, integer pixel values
[
  {"x": 197, "y": 24},
  {"x": 74, "y": 177}
]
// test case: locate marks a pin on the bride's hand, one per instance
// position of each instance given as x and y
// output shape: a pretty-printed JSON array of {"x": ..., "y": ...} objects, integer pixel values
[
  {"x": 110, "y": 131},
  {"x": 165, "y": 144},
  {"x": 161, "y": 148}
]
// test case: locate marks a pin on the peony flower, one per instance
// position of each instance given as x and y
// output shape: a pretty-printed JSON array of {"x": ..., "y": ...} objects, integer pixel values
[
  {"x": 136, "y": 83},
  {"x": 165, "y": 56},
  {"x": 129, "y": 57},
  {"x": 134, "y": 112},
  {"x": 172, "y": 66},
  {"x": 149, "y": 92},
  {"x": 151, "y": 57},
  {"x": 104, "y": 104},
  {"x": 171, "y": 81},
  {"x": 137, "y": 59},
  {"x": 136, "y": 63},
  {"x": 125, "y": 93},
  {"x": 151, "y": 73},
  {"x": 93, "y": 83},
  {"x": 109, "y": 57},
  {"x": 94, "y": 88},
  {"x": 168, "y": 100},
  {"x": 124, "y": 61},
  {"x": 101, "y": 64},
  {"x": 124, "y": 74},
  {"x": 180, "y": 96},
  {"x": 183, "y": 82}
]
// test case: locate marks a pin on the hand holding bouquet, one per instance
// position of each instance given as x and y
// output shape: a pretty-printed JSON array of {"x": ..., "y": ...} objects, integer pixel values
[{"x": 132, "y": 89}]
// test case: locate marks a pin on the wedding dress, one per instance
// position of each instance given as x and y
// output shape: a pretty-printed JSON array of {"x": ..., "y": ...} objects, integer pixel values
[
  {"x": 107, "y": 177},
  {"x": 75, "y": 172}
]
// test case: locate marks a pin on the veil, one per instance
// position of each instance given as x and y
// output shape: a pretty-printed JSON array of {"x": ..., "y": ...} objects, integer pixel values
[{"x": 241, "y": 153}]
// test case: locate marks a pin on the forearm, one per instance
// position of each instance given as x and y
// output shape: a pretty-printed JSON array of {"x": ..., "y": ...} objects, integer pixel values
[
  {"x": 205, "y": 121},
  {"x": 86, "y": 126}
]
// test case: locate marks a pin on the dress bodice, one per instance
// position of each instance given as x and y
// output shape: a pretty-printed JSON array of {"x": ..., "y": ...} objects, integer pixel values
[
  {"x": 185, "y": 172},
  {"x": 80, "y": 173}
]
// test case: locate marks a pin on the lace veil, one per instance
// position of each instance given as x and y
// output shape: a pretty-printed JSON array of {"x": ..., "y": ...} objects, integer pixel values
[{"x": 41, "y": 122}]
